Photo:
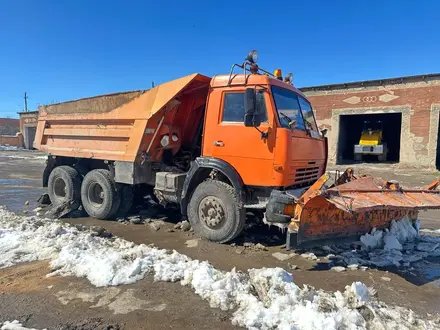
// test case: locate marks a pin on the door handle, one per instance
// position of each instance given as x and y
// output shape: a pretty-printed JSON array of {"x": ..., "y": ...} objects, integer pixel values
[{"x": 219, "y": 143}]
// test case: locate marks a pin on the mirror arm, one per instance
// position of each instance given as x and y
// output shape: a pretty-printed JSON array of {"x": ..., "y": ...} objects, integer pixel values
[{"x": 264, "y": 135}]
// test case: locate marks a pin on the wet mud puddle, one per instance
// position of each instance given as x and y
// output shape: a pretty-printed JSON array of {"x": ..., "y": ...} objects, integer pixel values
[{"x": 19, "y": 195}]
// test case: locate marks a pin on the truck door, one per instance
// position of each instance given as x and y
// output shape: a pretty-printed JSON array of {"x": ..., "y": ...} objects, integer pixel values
[{"x": 226, "y": 137}]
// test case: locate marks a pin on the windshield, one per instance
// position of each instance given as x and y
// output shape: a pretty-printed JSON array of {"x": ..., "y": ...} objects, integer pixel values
[
  {"x": 373, "y": 126},
  {"x": 294, "y": 111}
]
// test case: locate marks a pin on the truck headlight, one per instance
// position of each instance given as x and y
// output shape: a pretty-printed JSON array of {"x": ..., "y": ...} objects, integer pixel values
[
  {"x": 252, "y": 57},
  {"x": 165, "y": 140}
]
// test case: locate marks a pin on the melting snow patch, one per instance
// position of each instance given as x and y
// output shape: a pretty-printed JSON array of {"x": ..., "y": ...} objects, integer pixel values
[
  {"x": 391, "y": 242},
  {"x": 264, "y": 298},
  {"x": 353, "y": 266},
  {"x": 373, "y": 240},
  {"x": 338, "y": 269},
  {"x": 9, "y": 148},
  {"x": 431, "y": 231},
  {"x": 14, "y": 325},
  {"x": 401, "y": 245},
  {"x": 282, "y": 256},
  {"x": 28, "y": 156},
  {"x": 310, "y": 256}
]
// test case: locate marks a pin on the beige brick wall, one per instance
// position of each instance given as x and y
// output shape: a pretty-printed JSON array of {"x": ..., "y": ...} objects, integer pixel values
[{"x": 419, "y": 104}]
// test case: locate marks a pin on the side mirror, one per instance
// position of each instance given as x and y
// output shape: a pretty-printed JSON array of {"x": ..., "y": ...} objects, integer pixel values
[
  {"x": 251, "y": 115},
  {"x": 324, "y": 132}
]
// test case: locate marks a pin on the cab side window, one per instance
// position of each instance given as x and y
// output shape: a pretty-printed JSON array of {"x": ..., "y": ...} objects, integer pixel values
[{"x": 233, "y": 108}]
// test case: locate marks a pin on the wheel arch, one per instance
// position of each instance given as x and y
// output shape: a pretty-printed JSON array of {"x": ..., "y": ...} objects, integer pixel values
[{"x": 201, "y": 169}]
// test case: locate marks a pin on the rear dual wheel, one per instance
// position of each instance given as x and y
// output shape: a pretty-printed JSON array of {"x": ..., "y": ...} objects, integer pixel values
[
  {"x": 99, "y": 194},
  {"x": 64, "y": 185},
  {"x": 102, "y": 198}
]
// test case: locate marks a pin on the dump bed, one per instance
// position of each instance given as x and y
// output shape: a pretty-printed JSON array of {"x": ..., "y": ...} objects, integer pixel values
[
  {"x": 115, "y": 126},
  {"x": 97, "y": 104}
]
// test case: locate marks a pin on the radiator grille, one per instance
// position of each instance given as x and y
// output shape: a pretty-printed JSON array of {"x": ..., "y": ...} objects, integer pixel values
[{"x": 306, "y": 174}]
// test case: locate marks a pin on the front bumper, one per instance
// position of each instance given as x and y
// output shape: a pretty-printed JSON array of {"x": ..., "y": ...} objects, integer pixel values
[
  {"x": 369, "y": 150},
  {"x": 278, "y": 200}
]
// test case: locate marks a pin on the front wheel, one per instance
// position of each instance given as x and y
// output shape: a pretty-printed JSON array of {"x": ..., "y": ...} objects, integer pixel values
[
  {"x": 99, "y": 195},
  {"x": 216, "y": 212},
  {"x": 382, "y": 158}
]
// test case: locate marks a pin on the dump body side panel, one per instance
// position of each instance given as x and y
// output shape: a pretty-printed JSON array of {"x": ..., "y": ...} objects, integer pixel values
[
  {"x": 98, "y": 104},
  {"x": 109, "y": 127}
]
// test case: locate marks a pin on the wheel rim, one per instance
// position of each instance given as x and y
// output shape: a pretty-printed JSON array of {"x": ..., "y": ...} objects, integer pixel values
[
  {"x": 212, "y": 212},
  {"x": 60, "y": 188},
  {"x": 95, "y": 194}
]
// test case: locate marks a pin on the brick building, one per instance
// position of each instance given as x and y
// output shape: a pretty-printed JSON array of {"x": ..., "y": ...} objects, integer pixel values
[
  {"x": 19, "y": 132},
  {"x": 408, "y": 108},
  {"x": 9, "y": 127},
  {"x": 28, "y": 127}
]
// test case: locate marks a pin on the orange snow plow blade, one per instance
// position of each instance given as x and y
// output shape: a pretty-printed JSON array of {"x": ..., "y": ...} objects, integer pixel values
[{"x": 354, "y": 206}]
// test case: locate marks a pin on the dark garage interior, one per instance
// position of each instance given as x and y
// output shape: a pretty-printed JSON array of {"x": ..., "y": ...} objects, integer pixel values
[
  {"x": 350, "y": 129},
  {"x": 437, "y": 158}
]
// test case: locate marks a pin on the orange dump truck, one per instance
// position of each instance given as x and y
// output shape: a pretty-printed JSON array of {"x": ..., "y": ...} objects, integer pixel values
[{"x": 216, "y": 147}]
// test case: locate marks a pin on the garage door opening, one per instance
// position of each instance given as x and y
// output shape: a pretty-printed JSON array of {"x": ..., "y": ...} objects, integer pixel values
[
  {"x": 437, "y": 158},
  {"x": 350, "y": 131},
  {"x": 29, "y": 137}
]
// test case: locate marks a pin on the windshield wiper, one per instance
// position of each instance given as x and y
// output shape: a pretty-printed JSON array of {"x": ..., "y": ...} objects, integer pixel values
[{"x": 288, "y": 118}]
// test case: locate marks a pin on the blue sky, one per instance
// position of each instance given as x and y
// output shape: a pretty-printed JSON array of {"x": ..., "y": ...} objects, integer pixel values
[{"x": 62, "y": 50}]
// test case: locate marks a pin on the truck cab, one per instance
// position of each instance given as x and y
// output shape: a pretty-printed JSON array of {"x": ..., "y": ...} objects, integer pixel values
[
  {"x": 261, "y": 131},
  {"x": 282, "y": 149}
]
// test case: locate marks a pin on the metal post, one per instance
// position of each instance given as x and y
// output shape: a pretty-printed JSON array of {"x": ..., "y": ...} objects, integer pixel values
[{"x": 25, "y": 102}]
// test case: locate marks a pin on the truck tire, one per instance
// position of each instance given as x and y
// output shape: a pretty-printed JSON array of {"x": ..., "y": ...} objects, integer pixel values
[
  {"x": 358, "y": 157},
  {"x": 64, "y": 185},
  {"x": 127, "y": 200},
  {"x": 216, "y": 212},
  {"x": 100, "y": 198}
]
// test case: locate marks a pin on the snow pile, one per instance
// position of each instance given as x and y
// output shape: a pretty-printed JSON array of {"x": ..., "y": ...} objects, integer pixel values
[
  {"x": 9, "y": 148},
  {"x": 399, "y": 246},
  {"x": 14, "y": 325},
  {"x": 400, "y": 232},
  {"x": 280, "y": 304},
  {"x": 373, "y": 240},
  {"x": 28, "y": 156},
  {"x": 261, "y": 299},
  {"x": 433, "y": 231}
]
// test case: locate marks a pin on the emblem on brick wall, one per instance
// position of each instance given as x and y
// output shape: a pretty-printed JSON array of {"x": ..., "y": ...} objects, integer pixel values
[
  {"x": 353, "y": 100},
  {"x": 30, "y": 120},
  {"x": 387, "y": 97},
  {"x": 369, "y": 99}
]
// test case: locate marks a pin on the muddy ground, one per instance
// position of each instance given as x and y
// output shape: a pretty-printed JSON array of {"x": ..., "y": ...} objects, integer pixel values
[{"x": 72, "y": 303}]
